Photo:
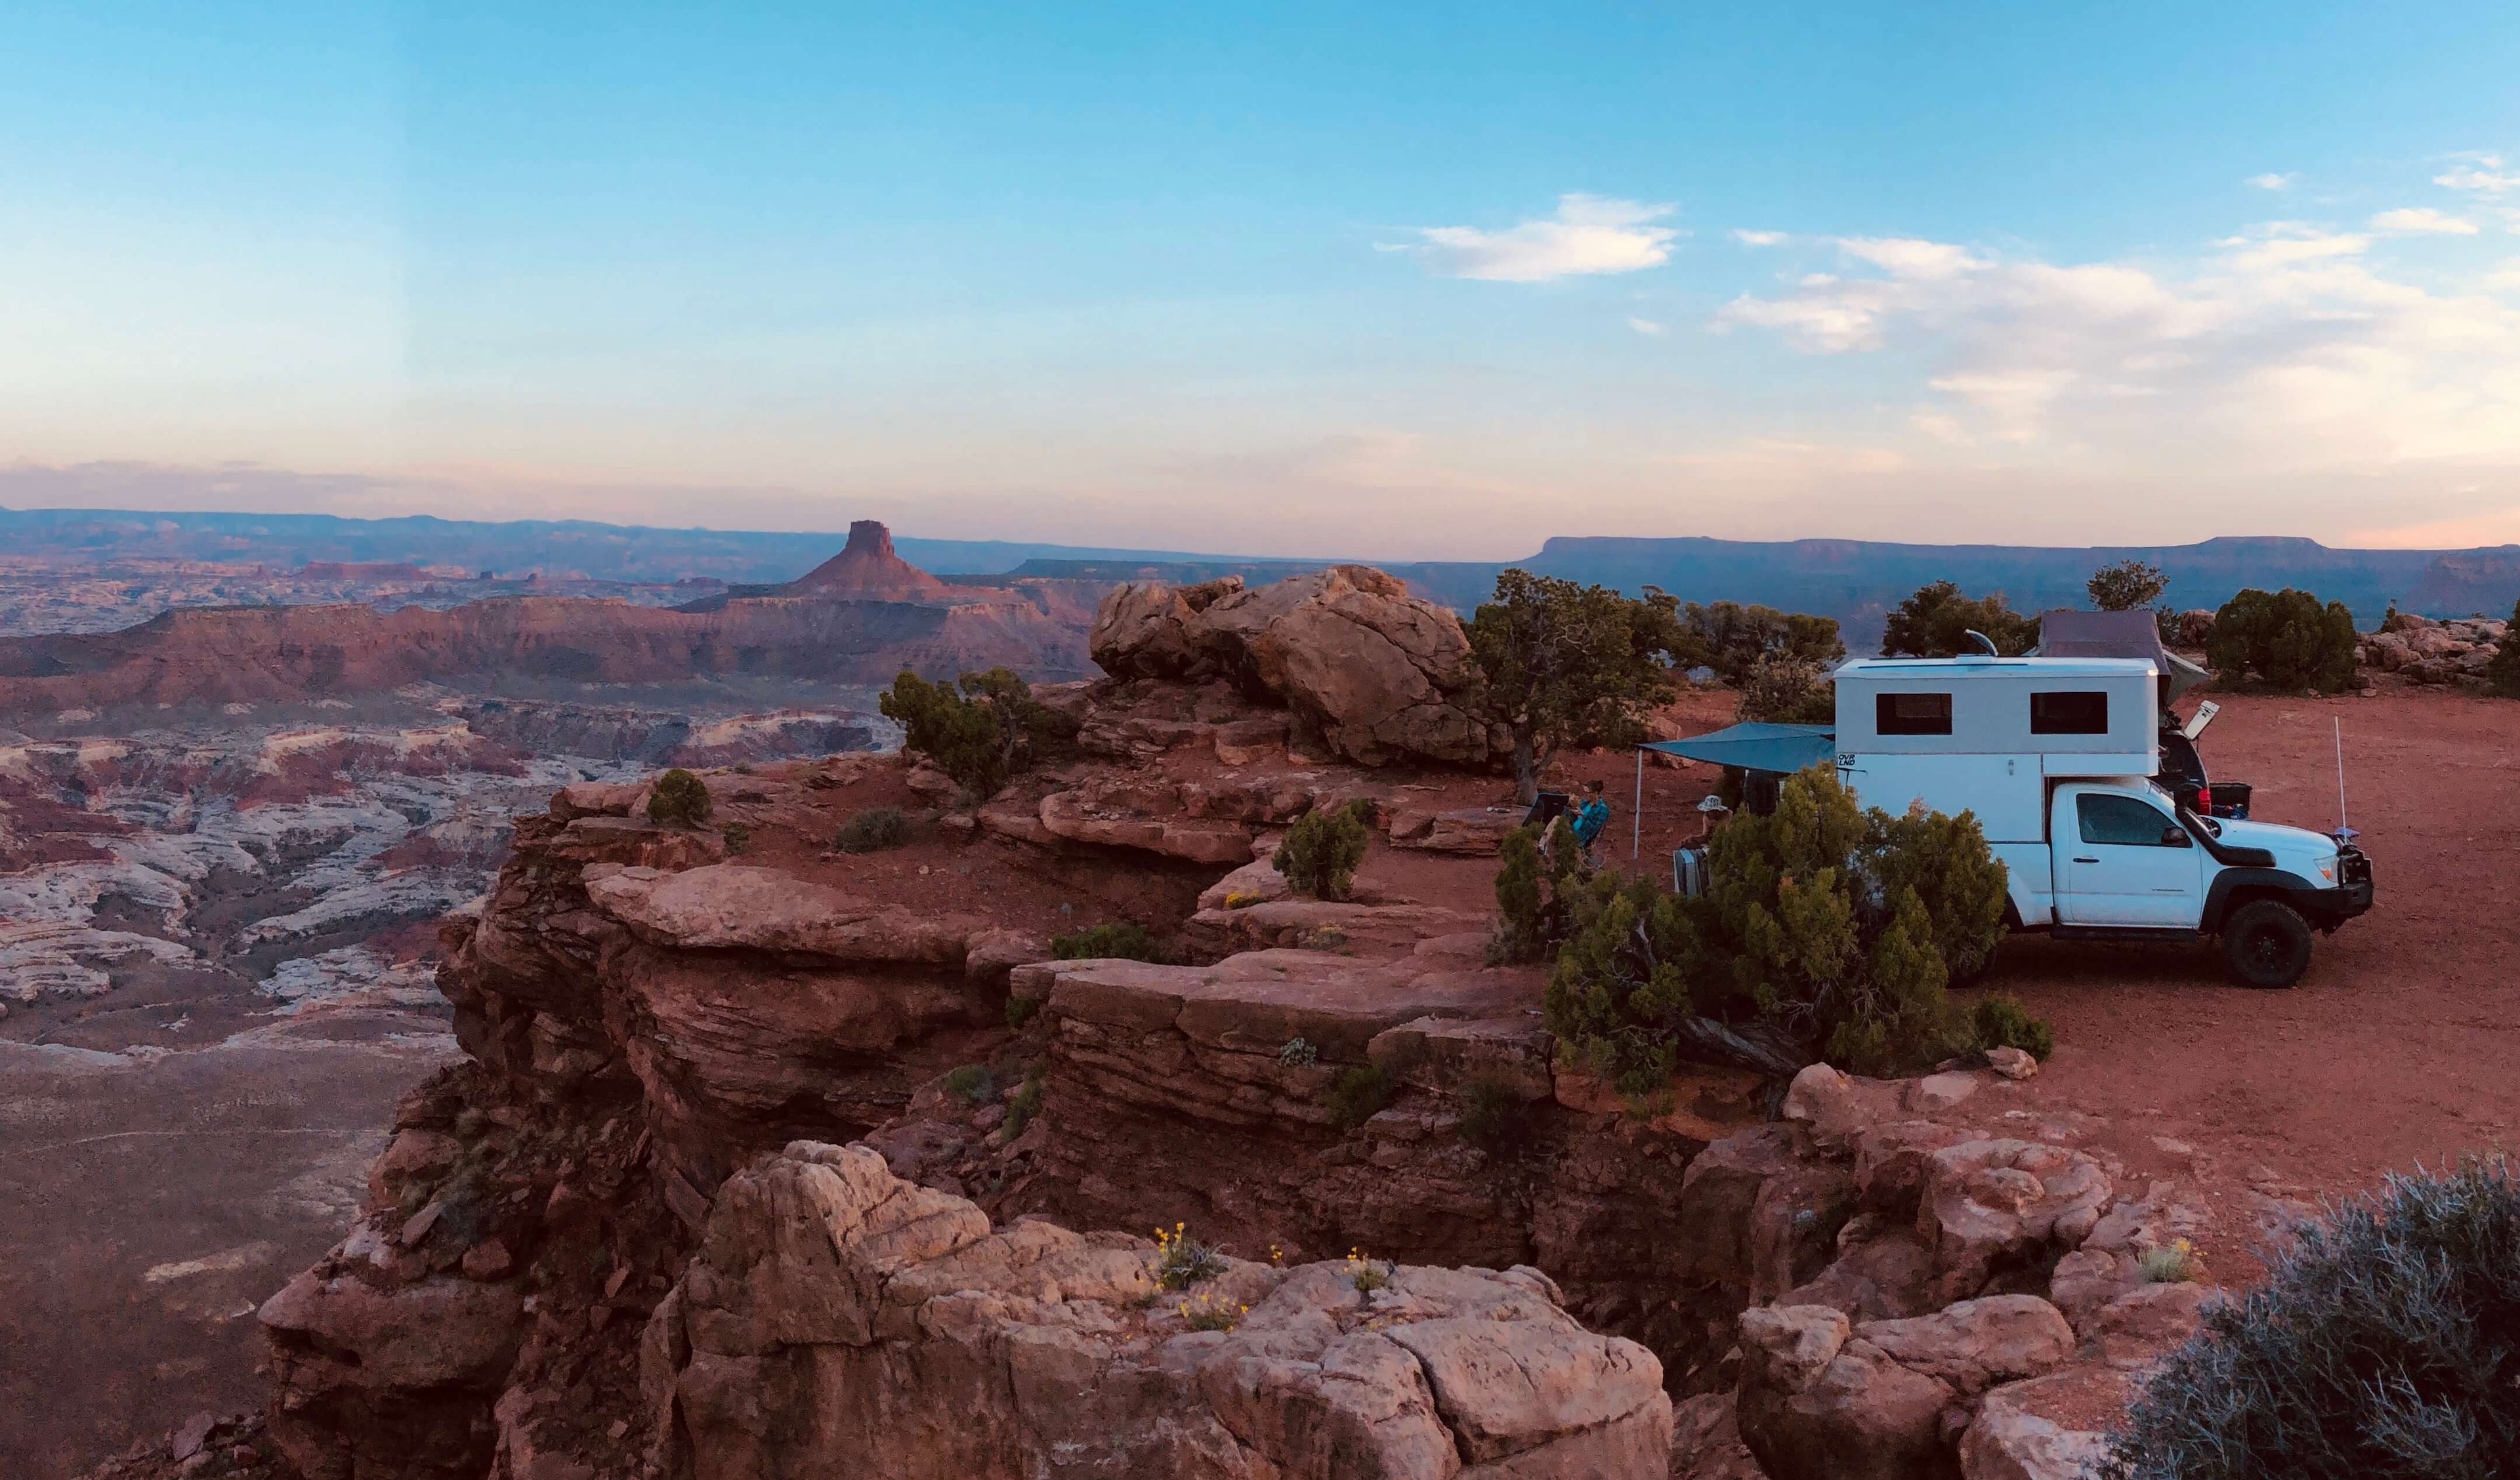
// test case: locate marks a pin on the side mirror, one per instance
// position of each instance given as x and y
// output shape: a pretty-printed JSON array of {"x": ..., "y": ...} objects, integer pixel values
[{"x": 2174, "y": 837}]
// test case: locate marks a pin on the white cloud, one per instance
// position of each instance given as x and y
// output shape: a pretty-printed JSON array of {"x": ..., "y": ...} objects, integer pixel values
[
  {"x": 1748, "y": 237},
  {"x": 1650, "y": 327},
  {"x": 2281, "y": 348},
  {"x": 2423, "y": 220},
  {"x": 2480, "y": 171},
  {"x": 2272, "y": 181},
  {"x": 1589, "y": 234},
  {"x": 1910, "y": 257}
]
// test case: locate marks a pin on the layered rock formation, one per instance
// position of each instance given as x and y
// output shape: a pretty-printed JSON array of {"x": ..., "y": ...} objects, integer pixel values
[
  {"x": 871, "y": 615},
  {"x": 840, "y": 1321},
  {"x": 1380, "y": 674}
]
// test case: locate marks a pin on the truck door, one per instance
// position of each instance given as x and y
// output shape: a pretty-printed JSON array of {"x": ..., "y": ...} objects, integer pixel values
[{"x": 2117, "y": 863}]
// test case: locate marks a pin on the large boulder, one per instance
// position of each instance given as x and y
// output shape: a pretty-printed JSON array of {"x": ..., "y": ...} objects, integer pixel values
[
  {"x": 1817, "y": 1403},
  {"x": 1380, "y": 673},
  {"x": 838, "y": 1321}
]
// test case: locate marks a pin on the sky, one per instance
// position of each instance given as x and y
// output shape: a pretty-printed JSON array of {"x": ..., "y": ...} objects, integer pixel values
[{"x": 1393, "y": 281}]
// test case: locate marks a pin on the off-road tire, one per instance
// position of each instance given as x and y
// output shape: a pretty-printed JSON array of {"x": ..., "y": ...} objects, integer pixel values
[{"x": 2266, "y": 943}]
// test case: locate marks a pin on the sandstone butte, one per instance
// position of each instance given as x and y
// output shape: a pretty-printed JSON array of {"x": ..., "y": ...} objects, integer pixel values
[
  {"x": 798, "y": 1162},
  {"x": 859, "y": 618}
]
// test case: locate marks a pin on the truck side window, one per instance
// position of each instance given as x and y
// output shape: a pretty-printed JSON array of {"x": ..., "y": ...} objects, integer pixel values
[
  {"x": 2119, "y": 820},
  {"x": 2068, "y": 713},
  {"x": 1911, "y": 714}
]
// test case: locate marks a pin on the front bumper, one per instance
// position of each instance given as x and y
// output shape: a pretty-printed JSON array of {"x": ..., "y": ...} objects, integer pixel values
[{"x": 2353, "y": 893}]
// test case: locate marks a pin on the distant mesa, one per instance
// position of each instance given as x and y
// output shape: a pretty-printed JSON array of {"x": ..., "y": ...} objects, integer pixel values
[
  {"x": 362, "y": 570},
  {"x": 867, "y": 570}
]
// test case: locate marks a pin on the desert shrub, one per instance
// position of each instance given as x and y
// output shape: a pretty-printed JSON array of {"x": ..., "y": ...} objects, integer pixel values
[
  {"x": 1116, "y": 940},
  {"x": 2380, "y": 1347},
  {"x": 2002, "y": 1022},
  {"x": 1787, "y": 690},
  {"x": 972, "y": 1082},
  {"x": 982, "y": 735},
  {"x": 1520, "y": 933},
  {"x": 1298, "y": 1054},
  {"x": 873, "y": 831},
  {"x": 1493, "y": 1115},
  {"x": 739, "y": 837},
  {"x": 2172, "y": 1263},
  {"x": 1322, "y": 850},
  {"x": 2502, "y": 670},
  {"x": 1182, "y": 1261},
  {"x": 1826, "y": 929},
  {"x": 1936, "y": 620},
  {"x": 2126, "y": 585},
  {"x": 1358, "y": 1094},
  {"x": 1020, "y": 1010},
  {"x": 678, "y": 800},
  {"x": 1367, "y": 1275},
  {"x": 1733, "y": 638},
  {"x": 1204, "y": 1312},
  {"x": 2286, "y": 640},
  {"x": 1023, "y": 1106}
]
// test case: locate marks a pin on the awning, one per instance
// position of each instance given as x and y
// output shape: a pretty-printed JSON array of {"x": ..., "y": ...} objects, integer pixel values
[
  {"x": 1780, "y": 748},
  {"x": 2068, "y": 633}
]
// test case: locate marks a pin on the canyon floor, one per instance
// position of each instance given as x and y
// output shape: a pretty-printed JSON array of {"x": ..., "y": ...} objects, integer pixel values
[{"x": 215, "y": 979}]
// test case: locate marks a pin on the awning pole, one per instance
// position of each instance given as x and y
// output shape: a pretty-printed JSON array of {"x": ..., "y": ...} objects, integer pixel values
[{"x": 1637, "y": 813}]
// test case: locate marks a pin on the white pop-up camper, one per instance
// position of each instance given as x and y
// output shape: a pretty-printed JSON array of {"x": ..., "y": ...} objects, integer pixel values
[{"x": 2059, "y": 759}]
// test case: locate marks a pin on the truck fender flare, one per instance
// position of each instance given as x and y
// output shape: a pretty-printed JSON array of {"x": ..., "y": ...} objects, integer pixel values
[{"x": 2230, "y": 881}]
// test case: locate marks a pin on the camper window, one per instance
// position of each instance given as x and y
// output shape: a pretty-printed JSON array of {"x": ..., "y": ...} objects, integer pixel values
[
  {"x": 2076, "y": 712},
  {"x": 2120, "y": 820},
  {"x": 1911, "y": 714}
]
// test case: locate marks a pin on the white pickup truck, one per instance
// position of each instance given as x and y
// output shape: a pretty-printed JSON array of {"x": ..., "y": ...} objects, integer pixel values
[{"x": 2060, "y": 758}]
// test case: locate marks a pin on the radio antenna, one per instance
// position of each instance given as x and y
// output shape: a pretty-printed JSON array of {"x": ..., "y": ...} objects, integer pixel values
[{"x": 2342, "y": 830}]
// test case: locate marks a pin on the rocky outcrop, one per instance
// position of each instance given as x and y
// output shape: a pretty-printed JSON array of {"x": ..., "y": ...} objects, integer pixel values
[
  {"x": 867, "y": 569},
  {"x": 2428, "y": 652},
  {"x": 1380, "y": 674},
  {"x": 840, "y": 1321}
]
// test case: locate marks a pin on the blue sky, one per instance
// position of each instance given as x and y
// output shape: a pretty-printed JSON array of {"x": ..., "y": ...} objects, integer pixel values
[{"x": 1400, "y": 281}]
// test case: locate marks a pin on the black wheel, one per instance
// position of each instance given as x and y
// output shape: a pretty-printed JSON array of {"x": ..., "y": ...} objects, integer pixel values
[{"x": 2267, "y": 944}]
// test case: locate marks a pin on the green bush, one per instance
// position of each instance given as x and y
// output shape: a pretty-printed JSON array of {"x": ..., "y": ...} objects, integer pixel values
[
  {"x": 1560, "y": 663},
  {"x": 979, "y": 737},
  {"x": 972, "y": 1084},
  {"x": 1020, "y": 1010},
  {"x": 1520, "y": 935},
  {"x": 1322, "y": 850},
  {"x": 1493, "y": 1115},
  {"x": 1826, "y": 929},
  {"x": 678, "y": 800},
  {"x": 739, "y": 837},
  {"x": 2287, "y": 641},
  {"x": 2503, "y": 671},
  {"x": 1936, "y": 620},
  {"x": 1358, "y": 1094},
  {"x": 2127, "y": 585},
  {"x": 1787, "y": 691},
  {"x": 1733, "y": 638},
  {"x": 2002, "y": 1022},
  {"x": 1115, "y": 940},
  {"x": 2380, "y": 1347},
  {"x": 873, "y": 831},
  {"x": 1298, "y": 1054}
]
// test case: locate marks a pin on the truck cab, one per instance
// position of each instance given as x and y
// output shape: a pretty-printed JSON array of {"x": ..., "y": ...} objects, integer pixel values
[{"x": 2129, "y": 860}]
